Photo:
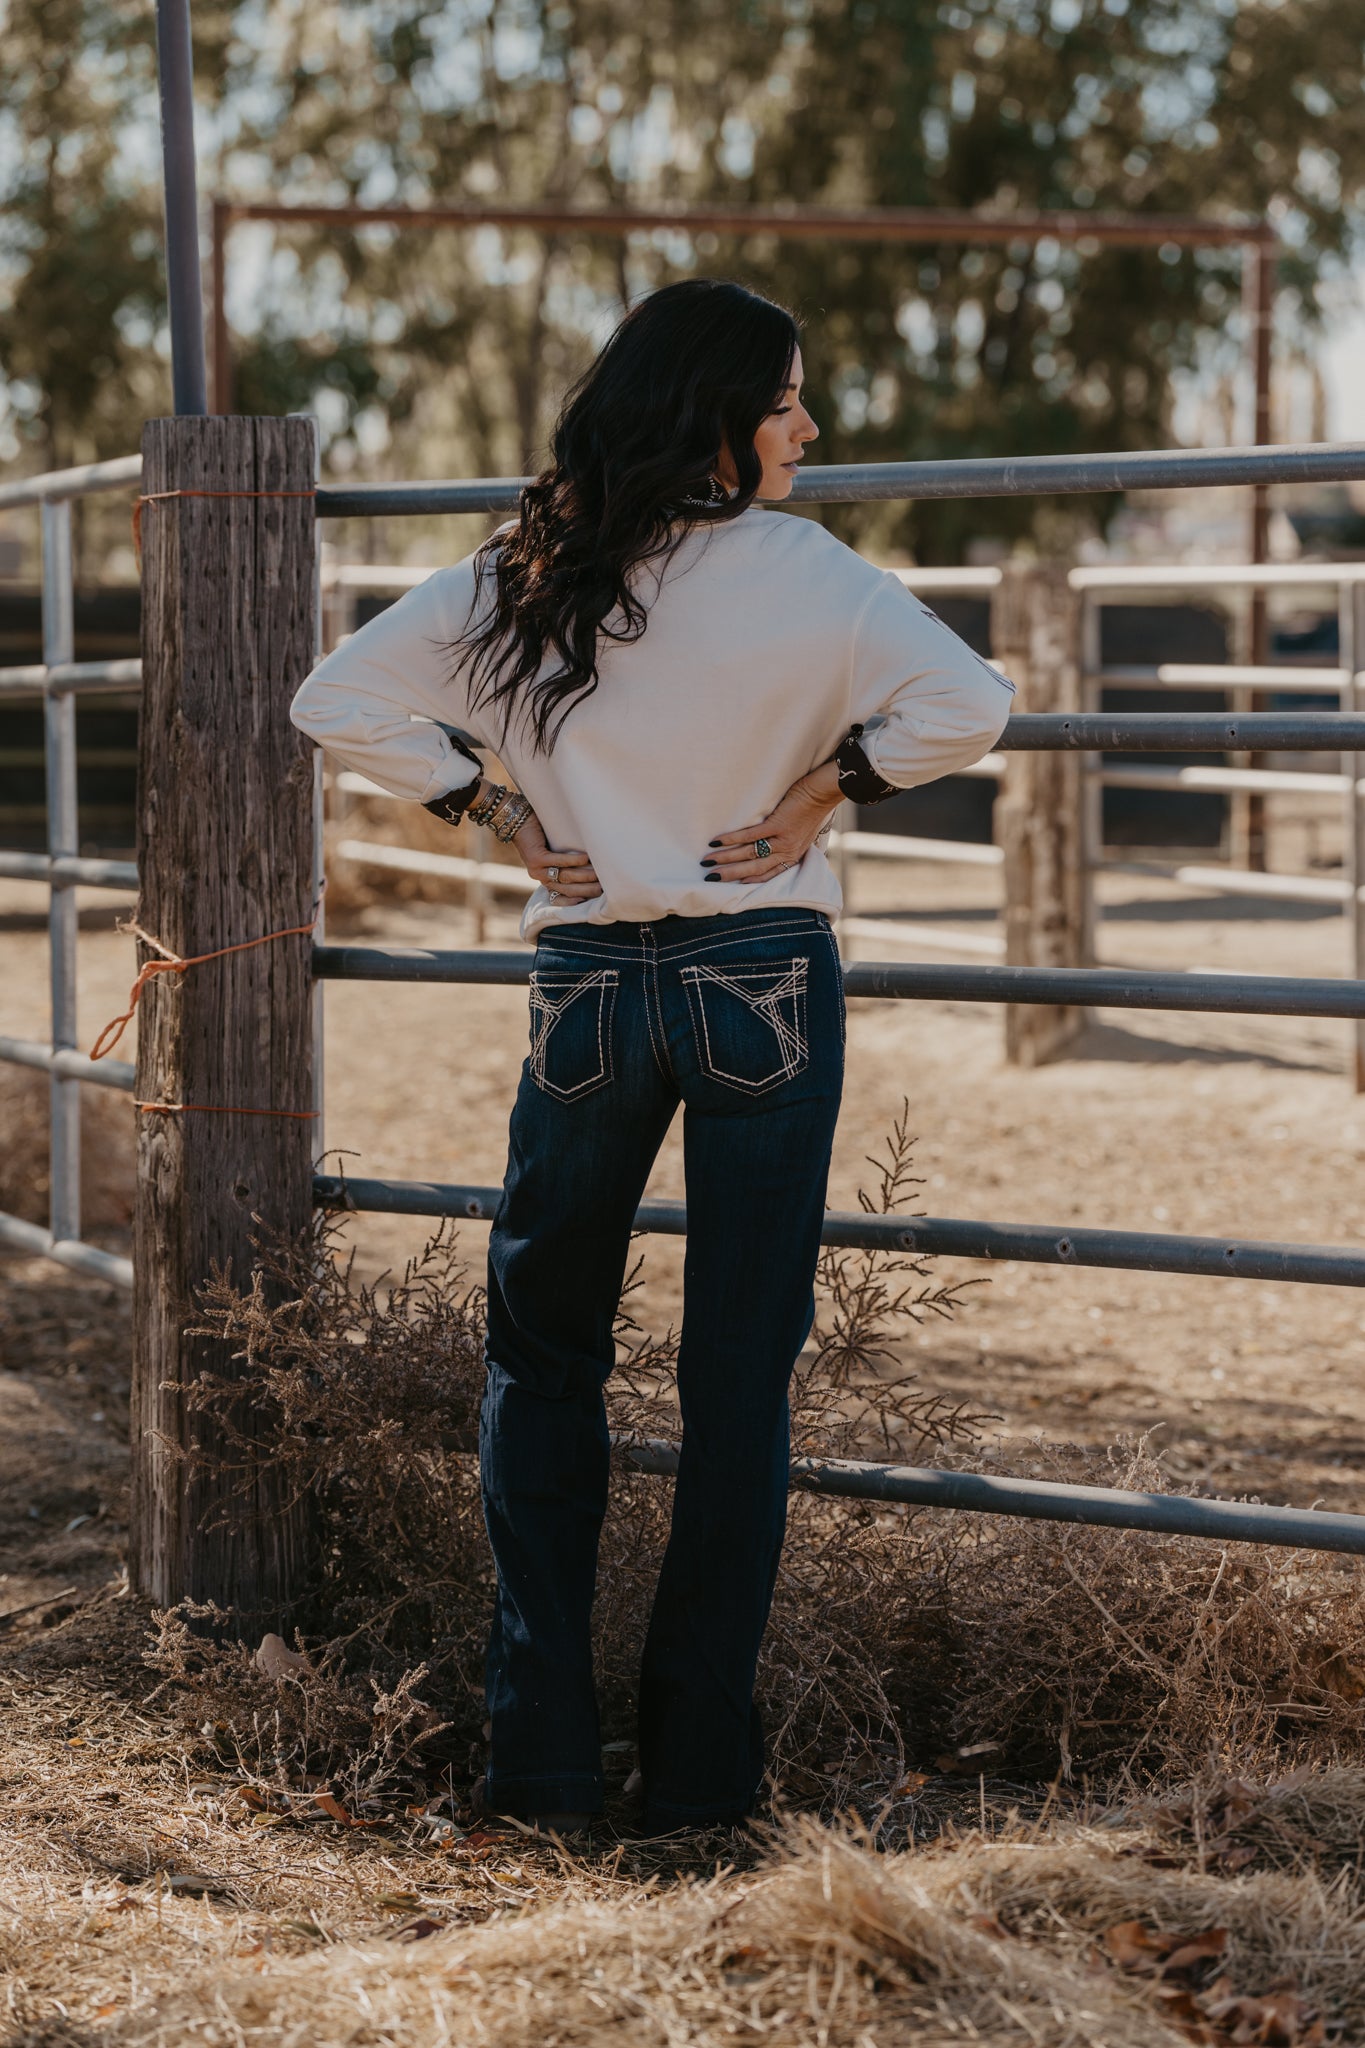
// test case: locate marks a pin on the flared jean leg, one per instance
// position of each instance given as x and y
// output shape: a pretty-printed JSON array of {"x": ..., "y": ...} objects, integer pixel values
[
  {"x": 756, "y": 1181},
  {"x": 557, "y": 1259}
]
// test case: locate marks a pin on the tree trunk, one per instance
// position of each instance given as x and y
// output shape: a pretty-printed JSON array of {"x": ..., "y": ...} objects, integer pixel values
[
  {"x": 225, "y": 853},
  {"x": 1035, "y": 636}
]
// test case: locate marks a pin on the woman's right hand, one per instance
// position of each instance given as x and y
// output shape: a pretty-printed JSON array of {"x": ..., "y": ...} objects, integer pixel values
[{"x": 569, "y": 877}]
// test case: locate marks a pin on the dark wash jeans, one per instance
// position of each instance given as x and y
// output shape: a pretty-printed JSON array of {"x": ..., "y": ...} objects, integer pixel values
[{"x": 740, "y": 1019}]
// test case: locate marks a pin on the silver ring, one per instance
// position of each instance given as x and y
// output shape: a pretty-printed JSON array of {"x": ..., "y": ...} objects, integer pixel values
[
  {"x": 554, "y": 895},
  {"x": 552, "y": 874},
  {"x": 762, "y": 850}
]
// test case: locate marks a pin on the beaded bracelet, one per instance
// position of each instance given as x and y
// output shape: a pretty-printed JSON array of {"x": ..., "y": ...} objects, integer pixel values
[
  {"x": 483, "y": 812},
  {"x": 504, "y": 810}
]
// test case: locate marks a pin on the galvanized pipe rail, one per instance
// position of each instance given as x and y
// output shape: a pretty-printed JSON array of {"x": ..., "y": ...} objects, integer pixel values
[
  {"x": 1020, "y": 476},
  {"x": 1117, "y": 988},
  {"x": 1104, "y": 1507},
  {"x": 1035, "y": 1244}
]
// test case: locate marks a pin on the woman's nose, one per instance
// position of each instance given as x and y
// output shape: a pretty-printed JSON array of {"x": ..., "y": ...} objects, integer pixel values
[{"x": 808, "y": 430}]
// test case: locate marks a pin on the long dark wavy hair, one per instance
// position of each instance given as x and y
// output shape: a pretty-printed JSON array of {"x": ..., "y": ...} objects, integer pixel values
[{"x": 694, "y": 367}]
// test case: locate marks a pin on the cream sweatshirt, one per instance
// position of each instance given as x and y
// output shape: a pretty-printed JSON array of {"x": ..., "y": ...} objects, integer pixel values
[{"x": 767, "y": 638}]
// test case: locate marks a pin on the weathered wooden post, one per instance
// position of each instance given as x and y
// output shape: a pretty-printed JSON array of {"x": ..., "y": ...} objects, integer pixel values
[
  {"x": 225, "y": 852},
  {"x": 1035, "y": 636}
]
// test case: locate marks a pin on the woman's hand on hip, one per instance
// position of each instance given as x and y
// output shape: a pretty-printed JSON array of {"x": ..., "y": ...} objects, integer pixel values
[
  {"x": 569, "y": 877},
  {"x": 788, "y": 832}
]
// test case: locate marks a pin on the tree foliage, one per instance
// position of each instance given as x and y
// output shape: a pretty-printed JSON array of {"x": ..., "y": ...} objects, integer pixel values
[{"x": 445, "y": 348}]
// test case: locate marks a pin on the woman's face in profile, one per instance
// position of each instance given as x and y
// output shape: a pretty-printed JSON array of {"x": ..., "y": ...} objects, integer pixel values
[{"x": 780, "y": 441}]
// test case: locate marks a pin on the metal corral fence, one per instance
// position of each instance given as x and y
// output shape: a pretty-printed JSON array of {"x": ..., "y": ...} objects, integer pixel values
[
  {"x": 1088, "y": 731},
  {"x": 58, "y": 680}
]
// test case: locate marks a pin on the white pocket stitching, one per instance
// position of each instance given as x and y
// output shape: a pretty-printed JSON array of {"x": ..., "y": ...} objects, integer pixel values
[
  {"x": 781, "y": 985},
  {"x": 548, "y": 1009}
]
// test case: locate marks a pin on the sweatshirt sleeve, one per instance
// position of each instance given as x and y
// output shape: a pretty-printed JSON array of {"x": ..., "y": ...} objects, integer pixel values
[
  {"x": 378, "y": 702},
  {"x": 930, "y": 705}
]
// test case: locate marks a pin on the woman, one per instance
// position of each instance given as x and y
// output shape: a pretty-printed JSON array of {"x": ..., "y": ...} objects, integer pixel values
[{"x": 681, "y": 686}]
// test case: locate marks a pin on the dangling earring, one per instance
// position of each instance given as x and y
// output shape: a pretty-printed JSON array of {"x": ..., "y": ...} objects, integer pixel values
[{"x": 716, "y": 495}]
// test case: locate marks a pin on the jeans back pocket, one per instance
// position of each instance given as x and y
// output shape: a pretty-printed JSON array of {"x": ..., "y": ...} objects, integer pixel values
[
  {"x": 572, "y": 1017},
  {"x": 749, "y": 1022}
]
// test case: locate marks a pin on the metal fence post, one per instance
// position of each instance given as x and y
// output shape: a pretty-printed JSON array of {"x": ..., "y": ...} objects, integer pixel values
[
  {"x": 1035, "y": 638},
  {"x": 63, "y": 838},
  {"x": 226, "y": 848},
  {"x": 1089, "y": 626}
]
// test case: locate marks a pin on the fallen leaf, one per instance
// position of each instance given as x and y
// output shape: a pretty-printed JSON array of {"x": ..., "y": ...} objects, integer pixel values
[
  {"x": 1201, "y": 1949},
  {"x": 1134, "y": 1946},
  {"x": 911, "y": 1782},
  {"x": 398, "y": 1902},
  {"x": 1279, "y": 2019},
  {"x": 417, "y": 1930},
  {"x": 333, "y": 1808}
]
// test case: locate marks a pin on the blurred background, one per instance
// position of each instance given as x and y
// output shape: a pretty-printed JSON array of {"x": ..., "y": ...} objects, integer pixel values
[{"x": 445, "y": 350}]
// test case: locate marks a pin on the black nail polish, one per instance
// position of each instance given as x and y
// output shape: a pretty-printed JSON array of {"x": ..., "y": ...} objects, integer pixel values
[
  {"x": 713, "y": 842},
  {"x": 708, "y": 863},
  {"x": 714, "y": 878}
]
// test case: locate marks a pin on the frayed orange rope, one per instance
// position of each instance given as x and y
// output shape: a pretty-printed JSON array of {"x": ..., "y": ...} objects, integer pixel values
[
  {"x": 152, "y": 497},
  {"x": 172, "y": 963}
]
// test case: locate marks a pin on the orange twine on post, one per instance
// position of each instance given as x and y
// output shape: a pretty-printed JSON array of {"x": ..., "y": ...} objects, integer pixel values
[
  {"x": 152, "y": 497},
  {"x": 173, "y": 963}
]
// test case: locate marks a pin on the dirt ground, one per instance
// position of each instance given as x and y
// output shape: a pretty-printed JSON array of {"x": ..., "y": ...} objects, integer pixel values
[{"x": 1245, "y": 1127}]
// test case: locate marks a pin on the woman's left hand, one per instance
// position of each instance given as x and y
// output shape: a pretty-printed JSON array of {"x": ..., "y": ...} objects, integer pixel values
[
  {"x": 789, "y": 831},
  {"x": 569, "y": 877}
]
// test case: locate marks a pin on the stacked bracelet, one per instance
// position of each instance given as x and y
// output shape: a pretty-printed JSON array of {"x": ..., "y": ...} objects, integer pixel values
[
  {"x": 504, "y": 810},
  {"x": 858, "y": 779}
]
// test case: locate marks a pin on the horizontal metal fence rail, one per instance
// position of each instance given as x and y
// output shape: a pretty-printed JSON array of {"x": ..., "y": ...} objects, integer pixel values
[
  {"x": 72, "y": 678},
  {"x": 1045, "y": 1500},
  {"x": 1183, "y": 732},
  {"x": 1214, "y": 675},
  {"x": 1034, "y": 1244},
  {"x": 56, "y": 484},
  {"x": 72, "y": 1252},
  {"x": 73, "y": 1066},
  {"x": 68, "y": 870},
  {"x": 873, "y": 482},
  {"x": 1113, "y": 988},
  {"x": 1215, "y": 575}
]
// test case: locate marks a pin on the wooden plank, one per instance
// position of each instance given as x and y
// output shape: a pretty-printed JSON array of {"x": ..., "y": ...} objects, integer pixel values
[
  {"x": 1035, "y": 636},
  {"x": 225, "y": 845}
]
